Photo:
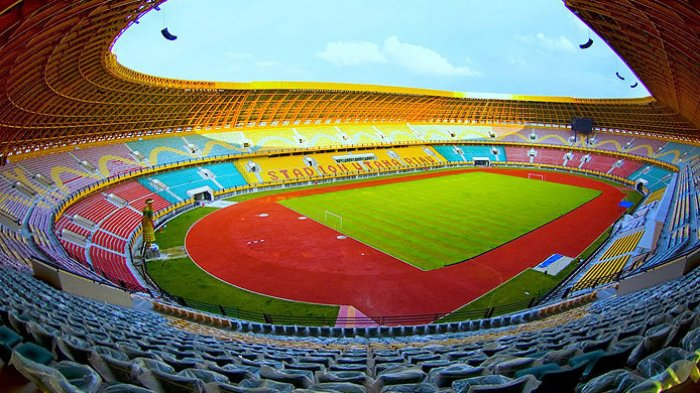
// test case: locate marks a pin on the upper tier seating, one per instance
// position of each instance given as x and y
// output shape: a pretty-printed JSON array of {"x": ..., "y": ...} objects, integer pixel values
[
  {"x": 109, "y": 160},
  {"x": 542, "y": 136},
  {"x": 396, "y": 133},
  {"x": 675, "y": 152},
  {"x": 207, "y": 147},
  {"x": 13, "y": 202},
  {"x": 645, "y": 147},
  {"x": 448, "y": 132},
  {"x": 162, "y": 151}
]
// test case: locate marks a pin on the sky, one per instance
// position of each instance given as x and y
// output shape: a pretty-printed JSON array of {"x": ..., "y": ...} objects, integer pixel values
[{"x": 474, "y": 46}]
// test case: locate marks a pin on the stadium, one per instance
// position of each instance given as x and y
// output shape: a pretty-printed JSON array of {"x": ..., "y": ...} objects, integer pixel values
[{"x": 190, "y": 236}]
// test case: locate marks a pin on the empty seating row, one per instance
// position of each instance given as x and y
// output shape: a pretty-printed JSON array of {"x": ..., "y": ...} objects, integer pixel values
[
  {"x": 601, "y": 273},
  {"x": 622, "y": 245},
  {"x": 97, "y": 346}
]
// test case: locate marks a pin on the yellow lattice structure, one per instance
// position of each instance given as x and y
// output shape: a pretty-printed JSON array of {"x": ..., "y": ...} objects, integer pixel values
[{"x": 60, "y": 84}]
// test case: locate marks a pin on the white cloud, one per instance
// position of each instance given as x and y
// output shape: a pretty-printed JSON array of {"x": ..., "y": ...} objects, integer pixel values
[
  {"x": 278, "y": 67},
  {"x": 421, "y": 60},
  {"x": 555, "y": 43},
  {"x": 352, "y": 53},
  {"x": 267, "y": 63},
  {"x": 239, "y": 55},
  {"x": 414, "y": 58},
  {"x": 560, "y": 43},
  {"x": 517, "y": 61},
  {"x": 528, "y": 39}
]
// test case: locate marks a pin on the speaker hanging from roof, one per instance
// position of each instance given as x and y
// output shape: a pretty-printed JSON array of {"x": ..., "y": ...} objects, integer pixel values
[
  {"x": 586, "y": 44},
  {"x": 168, "y": 35}
]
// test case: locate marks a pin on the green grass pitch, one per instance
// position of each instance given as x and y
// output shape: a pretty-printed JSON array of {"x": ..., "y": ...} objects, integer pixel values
[{"x": 431, "y": 223}]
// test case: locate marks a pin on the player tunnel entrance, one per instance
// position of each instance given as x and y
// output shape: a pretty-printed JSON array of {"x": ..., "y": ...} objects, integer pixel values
[{"x": 201, "y": 194}]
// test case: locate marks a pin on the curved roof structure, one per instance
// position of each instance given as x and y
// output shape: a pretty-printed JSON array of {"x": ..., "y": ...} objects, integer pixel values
[
  {"x": 60, "y": 84},
  {"x": 659, "y": 40}
]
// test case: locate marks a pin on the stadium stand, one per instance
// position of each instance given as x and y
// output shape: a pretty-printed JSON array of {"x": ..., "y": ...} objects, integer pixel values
[
  {"x": 602, "y": 164},
  {"x": 226, "y": 175},
  {"x": 62, "y": 169},
  {"x": 13, "y": 203},
  {"x": 135, "y": 195},
  {"x": 396, "y": 133},
  {"x": 549, "y": 156},
  {"x": 601, "y": 273},
  {"x": 94, "y": 208},
  {"x": 542, "y": 136},
  {"x": 161, "y": 151},
  {"x": 519, "y": 154},
  {"x": 103, "y": 223},
  {"x": 110, "y": 160},
  {"x": 625, "y": 167},
  {"x": 675, "y": 152},
  {"x": 62, "y": 87},
  {"x": 76, "y": 252},
  {"x": 657, "y": 177},
  {"x": 639, "y": 146},
  {"x": 360, "y": 134},
  {"x": 115, "y": 268},
  {"x": 282, "y": 138},
  {"x": 440, "y": 132},
  {"x": 615, "y": 336},
  {"x": 206, "y": 147},
  {"x": 654, "y": 196},
  {"x": 14, "y": 250},
  {"x": 121, "y": 222},
  {"x": 464, "y": 153},
  {"x": 342, "y": 163},
  {"x": 107, "y": 241},
  {"x": 622, "y": 245},
  {"x": 178, "y": 183}
]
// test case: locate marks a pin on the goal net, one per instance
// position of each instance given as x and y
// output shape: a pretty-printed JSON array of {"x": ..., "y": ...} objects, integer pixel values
[
  {"x": 332, "y": 220},
  {"x": 536, "y": 176}
]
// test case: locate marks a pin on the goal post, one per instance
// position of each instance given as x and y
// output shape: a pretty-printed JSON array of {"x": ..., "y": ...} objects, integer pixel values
[
  {"x": 536, "y": 176},
  {"x": 332, "y": 220}
]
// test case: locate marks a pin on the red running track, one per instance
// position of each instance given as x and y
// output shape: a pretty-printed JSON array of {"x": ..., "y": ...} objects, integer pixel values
[{"x": 282, "y": 256}]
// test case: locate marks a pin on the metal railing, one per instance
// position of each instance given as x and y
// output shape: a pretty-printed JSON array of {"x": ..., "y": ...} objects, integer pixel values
[{"x": 382, "y": 320}]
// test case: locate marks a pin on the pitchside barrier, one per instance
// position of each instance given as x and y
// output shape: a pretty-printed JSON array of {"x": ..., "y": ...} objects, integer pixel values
[
  {"x": 462, "y": 315},
  {"x": 691, "y": 260}
]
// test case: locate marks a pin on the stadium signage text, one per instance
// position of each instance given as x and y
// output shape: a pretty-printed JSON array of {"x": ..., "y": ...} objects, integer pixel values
[{"x": 351, "y": 167}]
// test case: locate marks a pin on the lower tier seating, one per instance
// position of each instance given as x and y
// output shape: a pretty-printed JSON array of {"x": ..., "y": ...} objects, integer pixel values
[{"x": 643, "y": 340}]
